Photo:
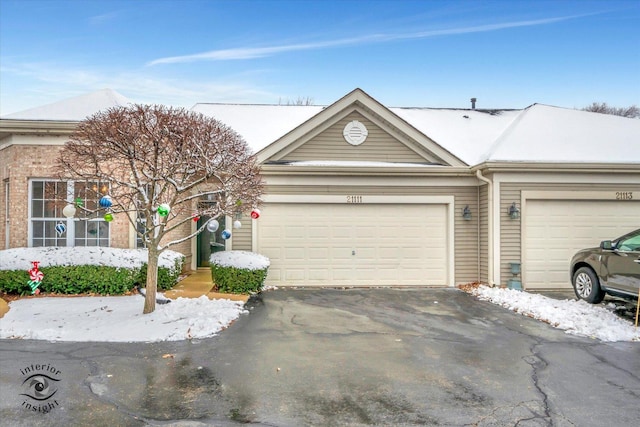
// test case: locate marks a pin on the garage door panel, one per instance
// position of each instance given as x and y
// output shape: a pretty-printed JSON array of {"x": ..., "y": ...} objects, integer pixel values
[
  {"x": 556, "y": 229},
  {"x": 393, "y": 244}
]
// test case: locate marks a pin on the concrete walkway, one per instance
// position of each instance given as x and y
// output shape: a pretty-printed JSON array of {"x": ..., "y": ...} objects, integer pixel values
[{"x": 195, "y": 285}]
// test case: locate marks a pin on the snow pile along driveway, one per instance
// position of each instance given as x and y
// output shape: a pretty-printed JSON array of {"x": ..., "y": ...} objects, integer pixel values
[{"x": 574, "y": 317}]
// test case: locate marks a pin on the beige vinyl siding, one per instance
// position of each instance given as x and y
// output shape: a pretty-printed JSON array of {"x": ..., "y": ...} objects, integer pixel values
[
  {"x": 510, "y": 240},
  {"x": 330, "y": 145},
  {"x": 466, "y": 232},
  {"x": 510, "y": 247},
  {"x": 483, "y": 200},
  {"x": 466, "y": 235},
  {"x": 242, "y": 236}
]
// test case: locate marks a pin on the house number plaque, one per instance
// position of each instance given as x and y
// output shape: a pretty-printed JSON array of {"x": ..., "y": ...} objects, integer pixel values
[
  {"x": 354, "y": 199},
  {"x": 624, "y": 195}
]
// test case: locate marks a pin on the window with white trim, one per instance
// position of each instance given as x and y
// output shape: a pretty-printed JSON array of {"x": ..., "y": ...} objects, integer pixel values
[{"x": 49, "y": 227}]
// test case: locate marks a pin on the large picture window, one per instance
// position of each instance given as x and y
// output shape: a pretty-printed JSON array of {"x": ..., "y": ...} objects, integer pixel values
[{"x": 49, "y": 227}]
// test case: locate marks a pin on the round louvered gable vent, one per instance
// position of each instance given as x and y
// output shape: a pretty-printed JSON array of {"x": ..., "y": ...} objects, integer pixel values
[{"x": 355, "y": 133}]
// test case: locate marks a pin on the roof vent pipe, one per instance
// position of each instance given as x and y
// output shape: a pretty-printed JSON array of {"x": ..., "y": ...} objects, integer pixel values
[{"x": 473, "y": 103}]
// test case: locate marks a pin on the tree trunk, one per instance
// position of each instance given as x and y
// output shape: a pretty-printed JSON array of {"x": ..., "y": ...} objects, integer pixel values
[{"x": 152, "y": 281}]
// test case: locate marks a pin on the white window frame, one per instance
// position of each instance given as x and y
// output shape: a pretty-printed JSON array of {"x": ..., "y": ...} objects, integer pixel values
[{"x": 69, "y": 222}]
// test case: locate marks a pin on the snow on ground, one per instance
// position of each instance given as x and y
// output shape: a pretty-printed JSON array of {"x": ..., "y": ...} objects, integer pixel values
[
  {"x": 116, "y": 319},
  {"x": 574, "y": 317}
]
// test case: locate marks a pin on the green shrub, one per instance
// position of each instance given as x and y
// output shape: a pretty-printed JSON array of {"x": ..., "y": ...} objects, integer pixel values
[
  {"x": 14, "y": 282},
  {"x": 238, "y": 272},
  {"x": 88, "y": 279},
  {"x": 167, "y": 277},
  {"x": 234, "y": 280}
]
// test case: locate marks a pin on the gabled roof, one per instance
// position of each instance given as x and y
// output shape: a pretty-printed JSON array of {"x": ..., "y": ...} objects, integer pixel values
[
  {"x": 543, "y": 133},
  {"x": 356, "y": 100},
  {"x": 72, "y": 109}
]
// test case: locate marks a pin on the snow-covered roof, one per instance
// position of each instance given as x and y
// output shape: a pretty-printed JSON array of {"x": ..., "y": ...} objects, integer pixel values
[
  {"x": 539, "y": 133},
  {"x": 259, "y": 125},
  {"x": 73, "y": 109},
  {"x": 543, "y": 133},
  {"x": 467, "y": 134}
]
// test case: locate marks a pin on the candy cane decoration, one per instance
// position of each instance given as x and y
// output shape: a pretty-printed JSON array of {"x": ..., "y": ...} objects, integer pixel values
[{"x": 35, "y": 277}]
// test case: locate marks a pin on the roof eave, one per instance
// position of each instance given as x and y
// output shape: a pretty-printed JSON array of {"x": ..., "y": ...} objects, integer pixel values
[
  {"x": 55, "y": 127},
  {"x": 556, "y": 167},
  {"x": 269, "y": 169}
]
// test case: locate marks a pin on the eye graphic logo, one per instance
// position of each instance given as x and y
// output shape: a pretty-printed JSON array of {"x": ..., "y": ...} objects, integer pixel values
[{"x": 39, "y": 386}]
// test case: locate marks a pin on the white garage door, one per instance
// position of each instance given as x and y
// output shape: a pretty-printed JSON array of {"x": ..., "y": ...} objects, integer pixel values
[
  {"x": 354, "y": 244},
  {"x": 556, "y": 229}
]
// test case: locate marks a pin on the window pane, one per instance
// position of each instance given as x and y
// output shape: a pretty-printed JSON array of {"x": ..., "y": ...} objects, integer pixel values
[
  {"x": 49, "y": 209},
  {"x": 38, "y": 229},
  {"x": 37, "y": 187},
  {"x": 37, "y": 209}
]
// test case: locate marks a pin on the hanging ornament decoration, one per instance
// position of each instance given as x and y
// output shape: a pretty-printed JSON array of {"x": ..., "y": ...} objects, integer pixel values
[
  {"x": 60, "y": 229},
  {"x": 106, "y": 202},
  {"x": 69, "y": 211},
  {"x": 196, "y": 218},
  {"x": 237, "y": 224},
  {"x": 226, "y": 234},
  {"x": 255, "y": 213},
  {"x": 108, "y": 217},
  {"x": 213, "y": 226},
  {"x": 78, "y": 201},
  {"x": 35, "y": 278},
  {"x": 164, "y": 209}
]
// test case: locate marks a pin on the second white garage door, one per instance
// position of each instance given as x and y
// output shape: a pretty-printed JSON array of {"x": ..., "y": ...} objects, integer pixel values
[
  {"x": 354, "y": 244},
  {"x": 556, "y": 229}
]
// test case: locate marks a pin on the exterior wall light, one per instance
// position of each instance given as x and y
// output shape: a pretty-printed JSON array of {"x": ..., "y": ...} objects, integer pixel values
[
  {"x": 466, "y": 213},
  {"x": 514, "y": 212}
]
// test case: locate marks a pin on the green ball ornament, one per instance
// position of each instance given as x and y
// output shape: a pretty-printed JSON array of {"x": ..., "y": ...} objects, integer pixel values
[
  {"x": 108, "y": 217},
  {"x": 79, "y": 202},
  {"x": 164, "y": 209}
]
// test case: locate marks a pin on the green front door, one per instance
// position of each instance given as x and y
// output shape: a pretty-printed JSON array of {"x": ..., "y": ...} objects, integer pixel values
[{"x": 209, "y": 242}]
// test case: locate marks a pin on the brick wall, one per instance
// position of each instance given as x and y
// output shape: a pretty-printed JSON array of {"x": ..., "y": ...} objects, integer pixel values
[{"x": 35, "y": 158}]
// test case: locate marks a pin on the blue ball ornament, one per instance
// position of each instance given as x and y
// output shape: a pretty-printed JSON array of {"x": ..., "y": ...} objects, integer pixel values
[
  {"x": 105, "y": 202},
  {"x": 226, "y": 234}
]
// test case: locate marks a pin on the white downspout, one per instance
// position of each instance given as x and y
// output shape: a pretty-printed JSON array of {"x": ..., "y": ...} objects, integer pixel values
[{"x": 490, "y": 226}]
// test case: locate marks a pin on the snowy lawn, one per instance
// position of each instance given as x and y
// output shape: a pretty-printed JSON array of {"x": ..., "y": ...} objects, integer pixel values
[
  {"x": 116, "y": 319},
  {"x": 574, "y": 317}
]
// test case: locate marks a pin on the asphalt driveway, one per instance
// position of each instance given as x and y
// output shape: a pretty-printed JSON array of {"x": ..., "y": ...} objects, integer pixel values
[{"x": 332, "y": 357}]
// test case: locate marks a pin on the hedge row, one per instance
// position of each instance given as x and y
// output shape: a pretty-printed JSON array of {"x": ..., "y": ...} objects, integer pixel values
[{"x": 82, "y": 279}]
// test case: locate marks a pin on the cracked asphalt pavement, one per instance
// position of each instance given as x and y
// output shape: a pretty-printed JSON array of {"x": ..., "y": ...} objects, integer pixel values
[{"x": 332, "y": 357}]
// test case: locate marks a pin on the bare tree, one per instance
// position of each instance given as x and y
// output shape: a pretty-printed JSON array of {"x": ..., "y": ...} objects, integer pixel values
[
  {"x": 602, "y": 107},
  {"x": 306, "y": 100},
  {"x": 158, "y": 162}
]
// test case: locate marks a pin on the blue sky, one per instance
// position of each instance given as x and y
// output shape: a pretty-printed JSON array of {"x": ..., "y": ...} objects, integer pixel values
[{"x": 507, "y": 54}]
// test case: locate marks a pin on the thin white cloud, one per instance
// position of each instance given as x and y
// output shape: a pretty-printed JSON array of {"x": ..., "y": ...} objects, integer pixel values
[
  {"x": 104, "y": 18},
  {"x": 50, "y": 82},
  {"x": 260, "y": 52}
]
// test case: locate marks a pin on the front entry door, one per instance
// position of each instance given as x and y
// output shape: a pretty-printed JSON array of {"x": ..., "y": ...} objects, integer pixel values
[{"x": 209, "y": 242}]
